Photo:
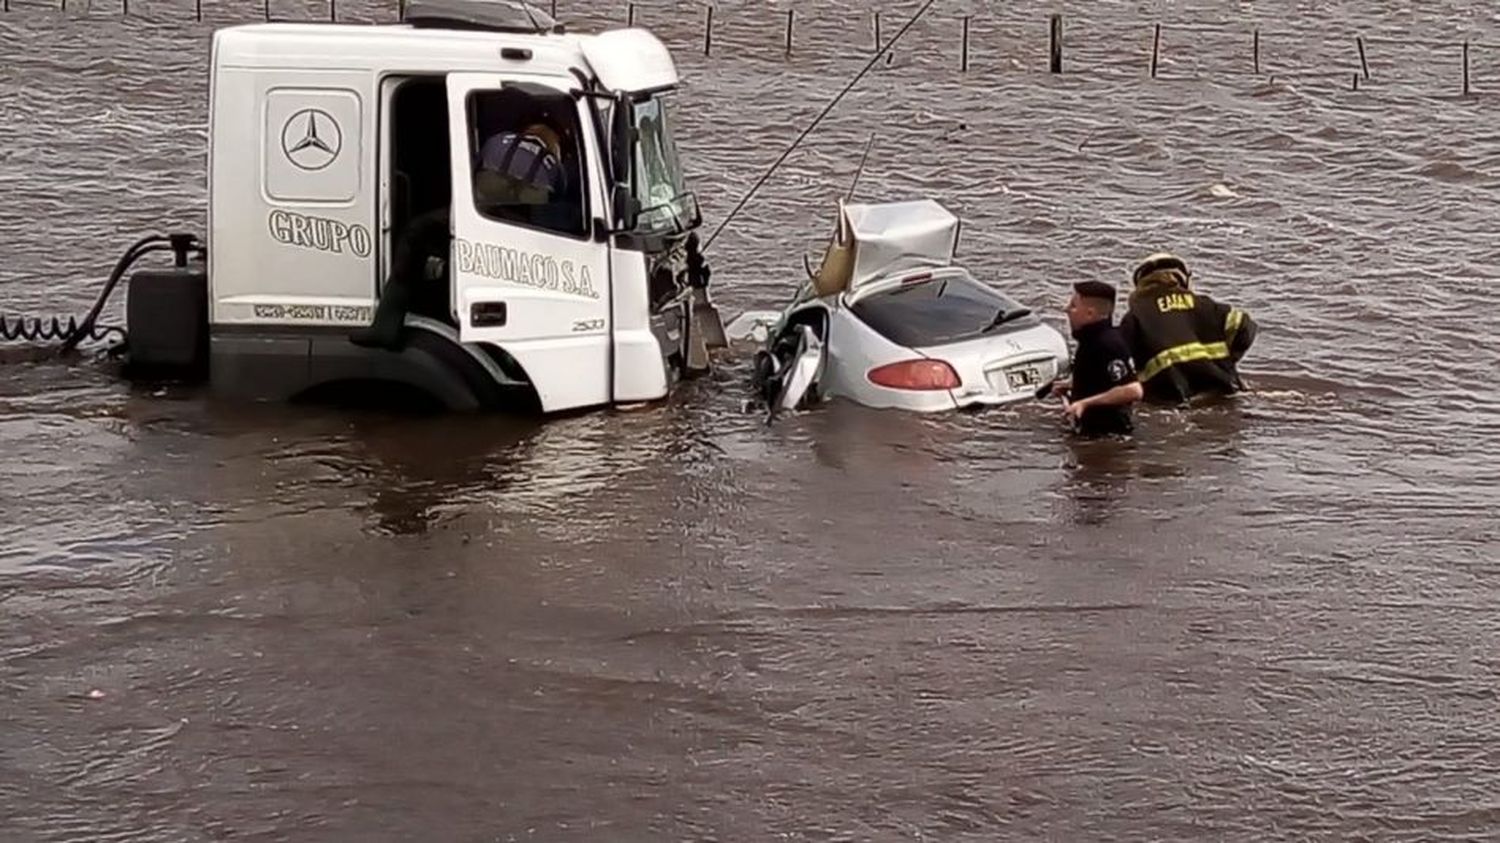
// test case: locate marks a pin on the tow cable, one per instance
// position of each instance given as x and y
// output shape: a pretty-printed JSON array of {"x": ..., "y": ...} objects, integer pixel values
[{"x": 75, "y": 331}]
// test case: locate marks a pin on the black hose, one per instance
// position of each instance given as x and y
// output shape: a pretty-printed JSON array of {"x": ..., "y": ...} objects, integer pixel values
[
  {"x": 46, "y": 330},
  {"x": 141, "y": 248},
  {"x": 74, "y": 331}
]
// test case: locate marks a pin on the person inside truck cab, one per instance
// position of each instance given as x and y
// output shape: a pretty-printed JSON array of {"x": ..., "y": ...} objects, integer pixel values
[
  {"x": 523, "y": 166},
  {"x": 528, "y": 163}
]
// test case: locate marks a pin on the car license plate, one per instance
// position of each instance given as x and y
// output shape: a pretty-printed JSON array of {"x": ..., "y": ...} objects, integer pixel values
[{"x": 1023, "y": 377}]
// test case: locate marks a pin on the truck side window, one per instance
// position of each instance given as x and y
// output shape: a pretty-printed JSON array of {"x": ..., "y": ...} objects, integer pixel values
[{"x": 527, "y": 160}]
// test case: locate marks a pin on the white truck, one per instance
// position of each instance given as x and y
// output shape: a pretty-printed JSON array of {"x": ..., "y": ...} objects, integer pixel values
[{"x": 472, "y": 204}]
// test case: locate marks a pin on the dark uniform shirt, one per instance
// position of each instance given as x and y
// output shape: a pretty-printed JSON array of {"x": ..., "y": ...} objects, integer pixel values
[{"x": 1101, "y": 363}]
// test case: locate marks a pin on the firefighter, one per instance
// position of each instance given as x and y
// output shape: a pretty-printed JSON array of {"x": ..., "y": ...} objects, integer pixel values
[{"x": 1184, "y": 343}]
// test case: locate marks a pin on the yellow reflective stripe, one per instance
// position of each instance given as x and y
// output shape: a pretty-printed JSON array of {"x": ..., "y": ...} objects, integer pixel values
[
  {"x": 1185, "y": 353},
  {"x": 1232, "y": 323}
]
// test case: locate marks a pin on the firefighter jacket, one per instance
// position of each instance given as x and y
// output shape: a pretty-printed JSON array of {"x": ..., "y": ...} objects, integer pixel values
[{"x": 1184, "y": 343}]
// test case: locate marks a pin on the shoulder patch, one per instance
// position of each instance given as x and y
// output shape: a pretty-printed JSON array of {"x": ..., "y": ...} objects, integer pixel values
[{"x": 1119, "y": 370}]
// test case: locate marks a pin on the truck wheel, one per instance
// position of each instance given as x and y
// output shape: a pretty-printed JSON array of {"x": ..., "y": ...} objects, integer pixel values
[{"x": 488, "y": 395}]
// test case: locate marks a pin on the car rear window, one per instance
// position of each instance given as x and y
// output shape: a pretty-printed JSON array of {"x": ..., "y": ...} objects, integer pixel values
[{"x": 950, "y": 307}]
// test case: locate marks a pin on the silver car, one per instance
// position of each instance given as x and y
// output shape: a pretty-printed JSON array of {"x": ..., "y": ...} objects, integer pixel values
[{"x": 890, "y": 321}]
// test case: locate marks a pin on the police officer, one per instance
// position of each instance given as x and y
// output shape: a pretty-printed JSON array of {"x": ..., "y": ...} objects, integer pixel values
[
  {"x": 1099, "y": 395},
  {"x": 1184, "y": 343}
]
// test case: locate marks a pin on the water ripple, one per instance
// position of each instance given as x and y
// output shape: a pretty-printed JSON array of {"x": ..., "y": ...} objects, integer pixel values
[{"x": 1264, "y": 619}]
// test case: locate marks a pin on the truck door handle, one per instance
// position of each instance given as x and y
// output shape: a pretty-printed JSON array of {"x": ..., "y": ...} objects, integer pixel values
[{"x": 487, "y": 314}]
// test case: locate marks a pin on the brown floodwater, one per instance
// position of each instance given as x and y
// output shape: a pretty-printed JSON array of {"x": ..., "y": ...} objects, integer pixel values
[{"x": 1269, "y": 619}]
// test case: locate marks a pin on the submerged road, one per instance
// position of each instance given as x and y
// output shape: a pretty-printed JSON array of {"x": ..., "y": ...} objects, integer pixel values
[{"x": 1268, "y": 620}]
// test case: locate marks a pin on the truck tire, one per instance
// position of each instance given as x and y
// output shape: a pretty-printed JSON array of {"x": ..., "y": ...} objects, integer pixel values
[{"x": 485, "y": 393}]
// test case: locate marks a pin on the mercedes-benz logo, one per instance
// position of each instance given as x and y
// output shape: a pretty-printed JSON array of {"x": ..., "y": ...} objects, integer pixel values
[{"x": 311, "y": 139}]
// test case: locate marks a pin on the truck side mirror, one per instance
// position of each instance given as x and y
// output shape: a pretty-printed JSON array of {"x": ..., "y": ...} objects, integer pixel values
[
  {"x": 627, "y": 209},
  {"x": 622, "y": 140}
]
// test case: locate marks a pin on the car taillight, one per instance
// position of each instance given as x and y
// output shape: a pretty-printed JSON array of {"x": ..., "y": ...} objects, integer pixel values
[{"x": 915, "y": 374}]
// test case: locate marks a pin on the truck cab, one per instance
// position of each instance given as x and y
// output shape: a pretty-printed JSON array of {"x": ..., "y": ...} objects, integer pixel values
[{"x": 473, "y": 203}]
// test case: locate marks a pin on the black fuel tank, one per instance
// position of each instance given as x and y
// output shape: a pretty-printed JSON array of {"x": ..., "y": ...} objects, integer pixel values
[{"x": 166, "y": 319}]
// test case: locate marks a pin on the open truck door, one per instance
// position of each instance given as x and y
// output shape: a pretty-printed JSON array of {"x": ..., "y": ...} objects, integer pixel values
[{"x": 527, "y": 273}]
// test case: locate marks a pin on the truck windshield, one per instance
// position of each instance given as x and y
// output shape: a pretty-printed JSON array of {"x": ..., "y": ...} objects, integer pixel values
[{"x": 659, "y": 184}]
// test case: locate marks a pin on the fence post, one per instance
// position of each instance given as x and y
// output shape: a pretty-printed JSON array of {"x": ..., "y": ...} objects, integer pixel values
[
  {"x": 1256, "y": 49},
  {"x": 877, "y": 32},
  {"x": 963, "y": 64},
  {"x": 708, "y": 32},
  {"x": 630, "y": 15},
  {"x": 1155, "y": 49},
  {"x": 1364, "y": 65},
  {"x": 789, "y": 14},
  {"x": 1056, "y": 46},
  {"x": 333, "y": 11},
  {"x": 1466, "y": 68}
]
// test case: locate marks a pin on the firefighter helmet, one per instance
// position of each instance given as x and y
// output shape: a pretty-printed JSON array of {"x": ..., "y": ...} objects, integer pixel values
[{"x": 1159, "y": 261}]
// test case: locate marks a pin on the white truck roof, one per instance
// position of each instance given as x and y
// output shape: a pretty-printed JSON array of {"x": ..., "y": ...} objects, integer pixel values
[{"x": 623, "y": 59}]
